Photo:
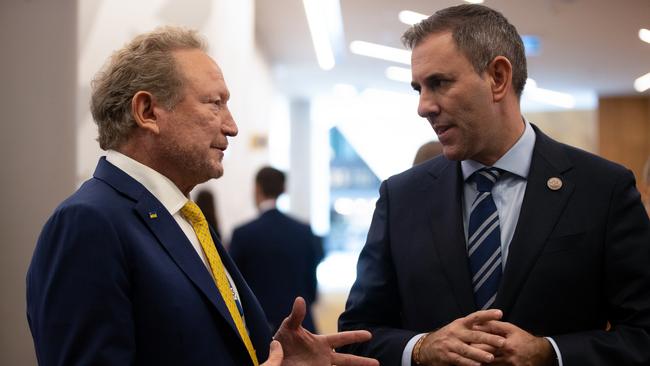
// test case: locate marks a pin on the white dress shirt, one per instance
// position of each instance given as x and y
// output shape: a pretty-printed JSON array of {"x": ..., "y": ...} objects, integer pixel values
[{"x": 169, "y": 195}]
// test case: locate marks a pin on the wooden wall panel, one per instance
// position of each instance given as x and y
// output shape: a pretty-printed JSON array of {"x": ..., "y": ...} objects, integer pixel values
[{"x": 624, "y": 133}]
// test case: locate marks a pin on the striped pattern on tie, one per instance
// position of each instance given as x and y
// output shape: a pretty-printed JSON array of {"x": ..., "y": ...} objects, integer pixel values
[{"x": 484, "y": 240}]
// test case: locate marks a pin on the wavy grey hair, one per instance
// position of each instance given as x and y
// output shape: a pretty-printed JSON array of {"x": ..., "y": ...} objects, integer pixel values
[
  {"x": 480, "y": 33},
  {"x": 144, "y": 64}
]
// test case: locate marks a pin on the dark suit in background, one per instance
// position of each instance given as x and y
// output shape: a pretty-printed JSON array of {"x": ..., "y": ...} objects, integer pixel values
[{"x": 278, "y": 255}]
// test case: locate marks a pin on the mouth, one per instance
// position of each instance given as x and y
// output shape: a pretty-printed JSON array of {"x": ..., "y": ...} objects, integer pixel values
[{"x": 441, "y": 129}]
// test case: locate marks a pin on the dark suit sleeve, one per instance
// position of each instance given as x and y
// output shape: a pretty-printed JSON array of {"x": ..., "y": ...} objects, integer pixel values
[
  {"x": 626, "y": 288},
  {"x": 78, "y": 291},
  {"x": 374, "y": 301}
]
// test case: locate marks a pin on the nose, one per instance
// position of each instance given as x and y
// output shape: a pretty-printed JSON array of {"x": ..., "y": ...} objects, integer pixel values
[
  {"x": 229, "y": 127},
  {"x": 428, "y": 105}
]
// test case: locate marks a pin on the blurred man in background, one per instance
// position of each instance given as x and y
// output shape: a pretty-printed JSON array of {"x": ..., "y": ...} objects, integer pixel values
[{"x": 277, "y": 249}]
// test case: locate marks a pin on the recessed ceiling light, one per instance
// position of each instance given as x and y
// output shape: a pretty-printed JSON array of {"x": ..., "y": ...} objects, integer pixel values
[
  {"x": 644, "y": 35},
  {"x": 474, "y": 1},
  {"x": 642, "y": 83},
  {"x": 410, "y": 17},
  {"x": 380, "y": 51}
]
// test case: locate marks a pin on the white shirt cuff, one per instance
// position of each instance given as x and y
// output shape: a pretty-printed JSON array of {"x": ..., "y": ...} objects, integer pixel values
[
  {"x": 408, "y": 350},
  {"x": 558, "y": 355}
]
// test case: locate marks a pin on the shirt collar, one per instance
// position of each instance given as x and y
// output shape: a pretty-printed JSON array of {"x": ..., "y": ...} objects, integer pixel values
[
  {"x": 157, "y": 184},
  {"x": 515, "y": 161}
]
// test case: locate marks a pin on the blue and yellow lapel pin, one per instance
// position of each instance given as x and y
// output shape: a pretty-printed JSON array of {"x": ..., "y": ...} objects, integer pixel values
[{"x": 153, "y": 215}]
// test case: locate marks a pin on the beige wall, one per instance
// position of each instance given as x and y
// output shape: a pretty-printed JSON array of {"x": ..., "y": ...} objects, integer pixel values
[
  {"x": 37, "y": 135},
  {"x": 577, "y": 128}
]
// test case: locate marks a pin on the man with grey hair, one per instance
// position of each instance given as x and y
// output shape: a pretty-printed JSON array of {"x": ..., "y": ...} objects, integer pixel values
[
  {"x": 511, "y": 248},
  {"x": 127, "y": 271}
]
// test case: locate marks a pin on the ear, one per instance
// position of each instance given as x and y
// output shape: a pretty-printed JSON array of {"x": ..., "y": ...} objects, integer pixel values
[
  {"x": 500, "y": 73},
  {"x": 143, "y": 107}
]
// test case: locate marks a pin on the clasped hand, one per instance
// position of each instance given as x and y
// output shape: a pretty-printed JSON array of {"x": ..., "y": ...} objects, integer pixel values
[
  {"x": 482, "y": 338},
  {"x": 293, "y": 345}
]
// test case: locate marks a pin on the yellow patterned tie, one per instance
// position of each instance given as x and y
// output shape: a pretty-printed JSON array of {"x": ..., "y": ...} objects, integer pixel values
[{"x": 192, "y": 213}]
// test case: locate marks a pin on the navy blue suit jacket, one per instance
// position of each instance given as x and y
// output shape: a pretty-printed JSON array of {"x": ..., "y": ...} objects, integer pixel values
[
  {"x": 580, "y": 257},
  {"x": 277, "y": 256},
  {"x": 114, "y": 281}
]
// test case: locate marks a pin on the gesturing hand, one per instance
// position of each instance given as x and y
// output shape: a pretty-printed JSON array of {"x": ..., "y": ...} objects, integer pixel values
[
  {"x": 275, "y": 355},
  {"x": 301, "y": 347},
  {"x": 454, "y": 343}
]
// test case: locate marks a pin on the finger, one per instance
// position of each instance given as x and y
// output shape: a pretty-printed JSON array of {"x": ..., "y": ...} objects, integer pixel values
[
  {"x": 496, "y": 327},
  {"x": 352, "y": 336},
  {"x": 483, "y": 336},
  {"x": 486, "y": 347},
  {"x": 473, "y": 354},
  {"x": 275, "y": 355},
  {"x": 298, "y": 311},
  {"x": 482, "y": 316},
  {"x": 343, "y": 359}
]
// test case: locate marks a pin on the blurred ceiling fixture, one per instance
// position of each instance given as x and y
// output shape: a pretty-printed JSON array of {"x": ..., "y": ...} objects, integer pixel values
[{"x": 325, "y": 26}]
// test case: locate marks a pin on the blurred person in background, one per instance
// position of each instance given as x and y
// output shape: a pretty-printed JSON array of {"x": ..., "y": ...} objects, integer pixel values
[
  {"x": 427, "y": 151},
  {"x": 205, "y": 199},
  {"x": 277, "y": 249}
]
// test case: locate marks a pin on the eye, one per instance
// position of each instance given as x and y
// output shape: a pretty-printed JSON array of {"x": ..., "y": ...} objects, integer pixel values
[
  {"x": 217, "y": 103},
  {"x": 436, "y": 83}
]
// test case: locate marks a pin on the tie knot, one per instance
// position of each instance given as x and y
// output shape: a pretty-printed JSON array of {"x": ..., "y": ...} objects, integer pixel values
[
  {"x": 192, "y": 213},
  {"x": 485, "y": 178}
]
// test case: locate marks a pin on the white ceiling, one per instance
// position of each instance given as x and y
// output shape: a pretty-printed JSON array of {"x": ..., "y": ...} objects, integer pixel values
[{"x": 587, "y": 46}]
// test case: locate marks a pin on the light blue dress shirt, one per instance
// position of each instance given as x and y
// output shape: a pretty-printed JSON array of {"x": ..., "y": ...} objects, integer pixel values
[{"x": 508, "y": 194}]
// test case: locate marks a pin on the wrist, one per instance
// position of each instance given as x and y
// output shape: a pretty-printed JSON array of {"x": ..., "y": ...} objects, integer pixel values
[
  {"x": 549, "y": 358},
  {"x": 416, "y": 356}
]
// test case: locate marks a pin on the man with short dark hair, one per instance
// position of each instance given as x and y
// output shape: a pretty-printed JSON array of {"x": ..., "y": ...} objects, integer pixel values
[
  {"x": 275, "y": 248},
  {"x": 511, "y": 248},
  {"x": 127, "y": 271}
]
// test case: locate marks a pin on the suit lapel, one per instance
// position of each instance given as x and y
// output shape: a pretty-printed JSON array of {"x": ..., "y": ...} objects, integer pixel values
[
  {"x": 540, "y": 210},
  {"x": 172, "y": 238},
  {"x": 447, "y": 227},
  {"x": 165, "y": 228}
]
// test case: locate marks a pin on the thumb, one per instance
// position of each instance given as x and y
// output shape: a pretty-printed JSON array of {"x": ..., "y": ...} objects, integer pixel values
[
  {"x": 275, "y": 355},
  {"x": 294, "y": 320}
]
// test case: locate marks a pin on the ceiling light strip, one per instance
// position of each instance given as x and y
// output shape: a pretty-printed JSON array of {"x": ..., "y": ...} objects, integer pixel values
[
  {"x": 380, "y": 51},
  {"x": 319, "y": 34}
]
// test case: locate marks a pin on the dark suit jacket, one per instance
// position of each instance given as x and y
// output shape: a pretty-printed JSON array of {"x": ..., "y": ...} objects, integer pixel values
[
  {"x": 580, "y": 257},
  {"x": 277, "y": 256},
  {"x": 114, "y": 281}
]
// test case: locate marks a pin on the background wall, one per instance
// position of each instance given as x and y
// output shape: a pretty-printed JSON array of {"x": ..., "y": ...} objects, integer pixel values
[{"x": 37, "y": 134}]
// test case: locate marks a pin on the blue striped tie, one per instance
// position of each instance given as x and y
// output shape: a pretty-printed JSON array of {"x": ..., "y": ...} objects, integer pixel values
[{"x": 484, "y": 238}]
